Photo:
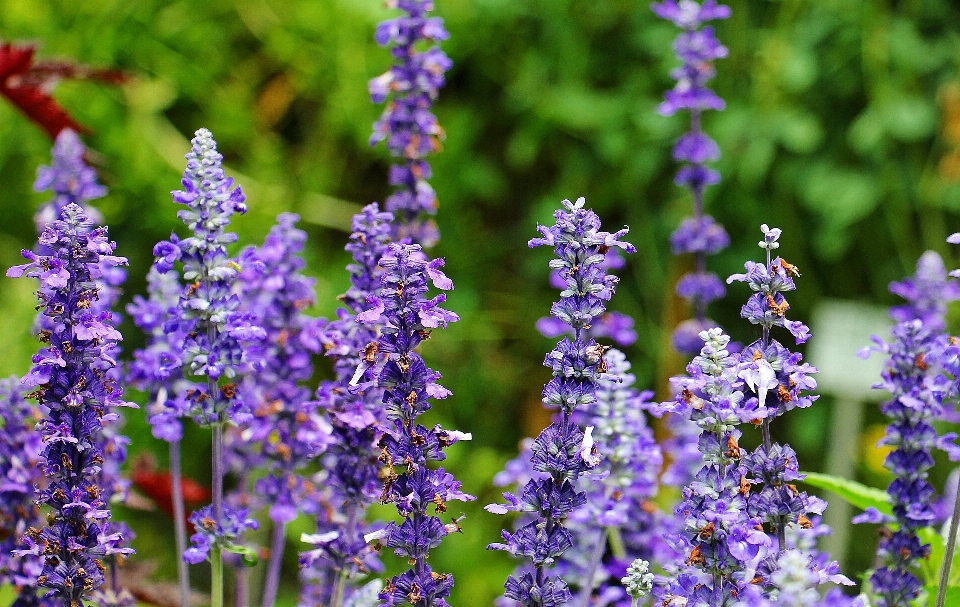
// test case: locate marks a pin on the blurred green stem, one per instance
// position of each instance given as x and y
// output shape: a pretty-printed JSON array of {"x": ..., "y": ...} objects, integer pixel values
[
  {"x": 946, "y": 566},
  {"x": 587, "y": 591},
  {"x": 616, "y": 543},
  {"x": 216, "y": 553}
]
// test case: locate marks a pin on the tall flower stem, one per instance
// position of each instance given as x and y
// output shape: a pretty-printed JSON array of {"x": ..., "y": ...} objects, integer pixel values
[
  {"x": 586, "y": 592},
  {"x": 216, "y": 554},
  {"x": 340, "y": 582},
  {"x": 948, "y": 554},
  {"x": 179, "y": 519},
  {"x": 273, "y": 568}
]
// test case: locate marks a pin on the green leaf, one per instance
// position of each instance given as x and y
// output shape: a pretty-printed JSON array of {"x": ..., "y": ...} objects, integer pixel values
[
  {"x": 852, "y": 492},
  {"x": 930, "y": 567},
  {"x": 248, "y": 555},
  {"x": 952, "y": 598}
]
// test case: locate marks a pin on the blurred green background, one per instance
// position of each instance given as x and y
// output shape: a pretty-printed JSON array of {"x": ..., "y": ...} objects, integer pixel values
[{"x": 842, "y": 128}]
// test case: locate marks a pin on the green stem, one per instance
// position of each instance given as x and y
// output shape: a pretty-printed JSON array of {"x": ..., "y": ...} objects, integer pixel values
[
  {"x": 616, "y": 543},
  {"x": 946, "y": 566},
  {"x": 216, "y": 573}
]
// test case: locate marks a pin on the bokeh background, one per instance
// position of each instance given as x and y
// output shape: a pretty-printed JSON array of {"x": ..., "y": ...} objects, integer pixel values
[{"x": 842, "y": 128}]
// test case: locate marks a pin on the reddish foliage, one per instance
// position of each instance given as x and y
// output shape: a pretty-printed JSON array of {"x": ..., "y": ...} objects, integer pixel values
[
  {"x": 158, "y": 486},
  {"x": 27, "y": 85}
]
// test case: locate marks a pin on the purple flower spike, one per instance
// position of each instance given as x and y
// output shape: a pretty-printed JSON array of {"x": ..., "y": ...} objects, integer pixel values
[
  {"x": 353, "y": 404},
  {"x": 70, "y": 179},
  {"x": 749, "y": 534},
  {"x": 720, "y": 536},
  {"x": 696, "y": 48},
  {"x": 563, "y": 452},
  {"x": 917, "y": 357},
  {"x": 73, "y": 380},
  {"x": 408, "y": 126},
  {"x": 20, "y": 458},
  {"x": 285, "y": 431},
  {"x": 405, "y": 317},
  {"x": 215, "y": 333}
]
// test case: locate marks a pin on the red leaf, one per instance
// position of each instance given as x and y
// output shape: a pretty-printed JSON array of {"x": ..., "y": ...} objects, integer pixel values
[{"x": 28, "y": 85}]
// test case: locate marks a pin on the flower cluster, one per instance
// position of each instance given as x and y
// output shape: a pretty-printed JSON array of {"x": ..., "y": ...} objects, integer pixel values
[
  {"x": 409, "y": 127},
  {"x": 720, "y": 538},
  {"x": 739, "y": 497},
  {"x": 776, "y": 381},
  {"x": 285, "y": 427},
  {"x": 618, "y": 522},
  {"x": 406, "y": 317},
  {"x": 217, "y": 336},
  {"x": 70, "y": 180},
  {"x": 20, "y": 450},
  {"x": 72, "y": 378},
  {"x": 355, "y": 412},
  {"x": 215, "y": 331},
  {"x": 915, "y": 380},
  {"x": 612, "y": 325},
  {"x": 286, "y": 432},
  {"x": 697, "y": 47},
  {"x": 794, "y": 584},
  {"x": 563, "y": 451},
  {"x": 155, "y": 369},
  {"x": 233, "y": 523}
]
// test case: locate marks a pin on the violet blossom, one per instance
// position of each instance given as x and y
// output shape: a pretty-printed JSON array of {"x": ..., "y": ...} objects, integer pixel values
[
  {"x": 72, "y": 378},
  {"x": 70, "y": 180},
  {"x": 914, "y": 377},
  {"x": 286, "y": 432},
  {"x": 20, "y": 457},
  {"x": 618, "y": 523},
  {"x": 563, "y": 452},
  {"x": 356, "y": 413},
  {"x": 721, "y": 538},
  {"x": 410, "y": 129},
  {"x": 697, "y": 47},
  {"x": 217, "y": 335},
  {"x": 406, "y": 318},
  {"x": 775, "y": 381}
]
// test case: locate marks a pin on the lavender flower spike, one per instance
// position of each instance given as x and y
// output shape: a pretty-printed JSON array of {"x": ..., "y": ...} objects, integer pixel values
[
  {"x": 217, "y": 335},
  {"x": 407, "y": 318},
  {"x": 914, "y": 377},
  {"x": 20, "y": 456},
  {"x": 356, "y": 414},
  {"x": 563, "y": 450},
  {"x": 71, "y": 378},
  {"x": 721, "y": 538},
  {"x": 286, "y": 432},
  {"x": 70, "y": 179},
  {"x": 407, "y": 124},
  {"x": 700, "y": 235}
]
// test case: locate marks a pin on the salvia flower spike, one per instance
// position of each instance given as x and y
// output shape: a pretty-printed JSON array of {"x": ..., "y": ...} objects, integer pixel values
[
  {"x": 617, "y": 523},
  {"x": 355, "y": 409},
  {"x": 914, "y": 376},
  {"x": 20, "y": 456},
  {"x": 563, "y": 451},
  {"x": 408, "y": 126},
  {"x": 217, "y": 335},
  {"x": 406, "y": 317},
  {"x": 70, "y": 180},
  {"x": 285, "y": 433},
  {"x": 71, "y": 378},
  {"x": 720, "y": 537},
  {"x": 697, "y": 47}
]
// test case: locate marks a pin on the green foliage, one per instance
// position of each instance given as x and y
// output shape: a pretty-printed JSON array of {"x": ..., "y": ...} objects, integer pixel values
[
  {"x": 854, "y": 493},
  {"x": 836, "y": 126}
]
